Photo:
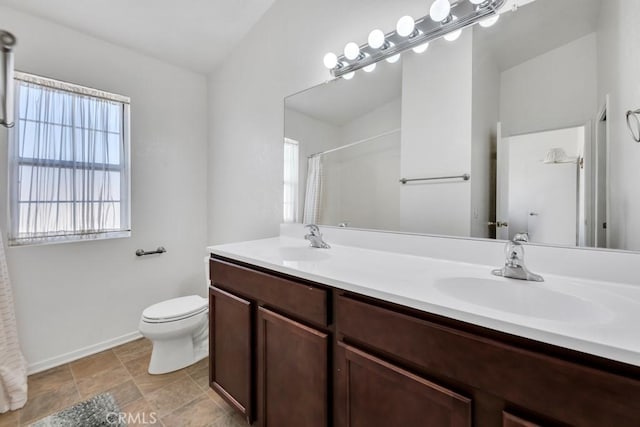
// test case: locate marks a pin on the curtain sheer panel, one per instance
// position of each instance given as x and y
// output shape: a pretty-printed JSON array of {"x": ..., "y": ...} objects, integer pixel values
[
  {"x": 291, "y": 178},
  {"x": 313, "y": 195},
  {"x": 68, "y": 163}
]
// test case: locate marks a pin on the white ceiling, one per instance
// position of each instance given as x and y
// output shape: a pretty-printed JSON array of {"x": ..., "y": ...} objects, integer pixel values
[
  {"x": 193, "y": 34},
  {"x": 340, "y": 101}
]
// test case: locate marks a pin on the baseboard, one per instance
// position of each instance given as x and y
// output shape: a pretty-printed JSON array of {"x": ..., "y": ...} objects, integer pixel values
[{"x": 52, "y": 362}]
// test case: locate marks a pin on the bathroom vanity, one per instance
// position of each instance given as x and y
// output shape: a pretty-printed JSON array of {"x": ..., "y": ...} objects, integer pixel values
[{"x": 312, "y": 337}]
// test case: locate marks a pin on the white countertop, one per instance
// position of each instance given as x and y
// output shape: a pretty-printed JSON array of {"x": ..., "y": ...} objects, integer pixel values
[{"x": 595, "y": 317}]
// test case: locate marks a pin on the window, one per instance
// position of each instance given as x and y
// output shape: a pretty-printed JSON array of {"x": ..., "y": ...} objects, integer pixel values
[
  {"x": 68, "y": 163},
  {"x": 290, "y": 207}
]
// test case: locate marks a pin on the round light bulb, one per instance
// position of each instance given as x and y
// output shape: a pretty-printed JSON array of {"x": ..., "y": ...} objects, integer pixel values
[
  {"x": 421, "y": 48},
  {"x": 453, "y": 36},
  {"x": 405, "y": 26},
  {"x": 349, "y": 76},
  {"x": 369, "y": 68},
  {"x": 376, "y": 39},
  {"x": 486, "y": 23},
  {"x": 393, "y": 59},
  {"x": 351, "y": 51},
  {"x": 330, "y": 60},
  {"x": 440, "y": 10}
]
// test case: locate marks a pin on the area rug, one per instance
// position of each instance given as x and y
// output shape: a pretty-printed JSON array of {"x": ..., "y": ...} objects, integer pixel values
[{"x": 99, "y": 411}]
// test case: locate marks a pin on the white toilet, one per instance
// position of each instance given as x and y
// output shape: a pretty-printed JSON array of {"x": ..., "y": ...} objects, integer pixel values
[{"x": 179, "y": 331}]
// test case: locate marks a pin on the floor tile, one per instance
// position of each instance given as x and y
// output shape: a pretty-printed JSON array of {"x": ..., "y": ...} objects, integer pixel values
[
  {"x": 232, "y": 419},
  {"x": 10, "y": 419},
  {"x": 201, "y": 377},
  {"x": 91, "y": 365},
  {"x": 202, "y": 412},
  {"x": 173, "y": 396},
  {"x": 148, "y": 383},
  {"x": 140, "y": 413},
  {"x": 219, "y": 401},
  {"x": 133, "y": 349},
  {"x": 40, "y": 406},
  {"x": 204, "y": 363},
  {"x": 125, "y": 393},
  {"x": 102, "y": 381},
  {"x": 139, "y": 365},
  {"x": 47, "y": 381}
]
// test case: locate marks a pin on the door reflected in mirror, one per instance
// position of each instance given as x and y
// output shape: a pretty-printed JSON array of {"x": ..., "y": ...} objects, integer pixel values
[{"x": 516, "y": 128}]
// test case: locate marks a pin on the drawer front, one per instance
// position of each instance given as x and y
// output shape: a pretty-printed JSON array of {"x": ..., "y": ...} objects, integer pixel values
[
  {"x": 299, "y": 300},
  {"x": 558, "y": 389}
]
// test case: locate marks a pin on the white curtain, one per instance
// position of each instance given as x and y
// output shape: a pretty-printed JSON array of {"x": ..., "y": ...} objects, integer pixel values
[
  {"x": 313, "y": 195},
  {"x": 67, "y": 163},
  {"x": 13, "y": 366}
]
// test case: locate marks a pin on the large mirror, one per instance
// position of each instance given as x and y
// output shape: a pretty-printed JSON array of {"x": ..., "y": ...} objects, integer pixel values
[{"x": 515, "y": 129}]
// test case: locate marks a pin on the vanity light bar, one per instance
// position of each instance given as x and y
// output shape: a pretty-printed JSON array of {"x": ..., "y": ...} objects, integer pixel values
[{"x": 463, "y": 13}]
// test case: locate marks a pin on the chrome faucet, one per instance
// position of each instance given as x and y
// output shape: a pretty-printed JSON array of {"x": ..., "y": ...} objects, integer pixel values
[
  {"x": 514, "y": 267},
  {"x": 315, "y": 237}
]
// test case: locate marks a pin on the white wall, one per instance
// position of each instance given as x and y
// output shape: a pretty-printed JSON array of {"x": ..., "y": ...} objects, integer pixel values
[
  {"x": 485, "y": 111},
  {"x": 436, "y": 138},
  {"x": 76, "y": 295},
  {"x": 552, "y": 91},
  {"x": 362, "y": 181},
  {"x": 281, "y": 55},
  {"x": 618, "y": 71}
]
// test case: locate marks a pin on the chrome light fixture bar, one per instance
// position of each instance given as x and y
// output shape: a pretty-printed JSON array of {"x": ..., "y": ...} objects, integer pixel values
[
  {"x": 455, "y": 17},
  {"x": 7, "y": 42}
]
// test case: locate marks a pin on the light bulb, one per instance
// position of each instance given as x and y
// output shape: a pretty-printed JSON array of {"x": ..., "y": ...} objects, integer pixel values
[
  {"x": 349, "y": 76},
  {"x": 351, "y": 51},
  {"x": 369, "y": 68},
  {"x": 486, "y": 23},
  {"x": 393, "y": 59},
  {"x": 405, "y": 26},
  {"x": 376, "y": 39},
  {"x": 330, "y": 60},
  {"x": 453, "y": 36},
  {"x": 477, "y": 1},
  {"x": 440, "y": 10},
  {"x": 421, "y": 48}
]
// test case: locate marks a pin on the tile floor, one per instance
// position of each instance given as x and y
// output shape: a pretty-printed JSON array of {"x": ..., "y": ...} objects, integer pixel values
[{"x": 180, "y": 398}]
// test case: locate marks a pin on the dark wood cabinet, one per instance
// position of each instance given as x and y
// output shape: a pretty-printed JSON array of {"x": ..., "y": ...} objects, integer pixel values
[
  {"x": 231, "y": 349},
  {"x": 289, "y": 352},
  {"x": 292, "y": 372},
  {"x": 375, "y": 393},
  {"x": 509, "y": 420}
]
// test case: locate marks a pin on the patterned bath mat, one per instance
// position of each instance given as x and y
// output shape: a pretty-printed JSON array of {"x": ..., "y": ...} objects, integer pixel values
[{"x": 99, "y": 411}]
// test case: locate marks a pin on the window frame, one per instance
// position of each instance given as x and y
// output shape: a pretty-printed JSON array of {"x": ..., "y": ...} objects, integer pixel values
[{"x": 13, "y": 202}]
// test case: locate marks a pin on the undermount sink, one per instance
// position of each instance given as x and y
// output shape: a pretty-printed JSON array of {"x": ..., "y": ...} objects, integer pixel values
[
  {"x": 523, "y": 298},
  {"x": 297, "y": 253}
]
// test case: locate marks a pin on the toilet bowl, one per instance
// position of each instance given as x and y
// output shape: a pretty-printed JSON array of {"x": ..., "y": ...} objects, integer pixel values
[{"x": 178, "y": 329}]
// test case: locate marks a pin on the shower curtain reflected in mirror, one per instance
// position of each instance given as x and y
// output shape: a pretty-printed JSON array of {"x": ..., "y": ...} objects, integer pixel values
[{"x": 313, "y": 193}]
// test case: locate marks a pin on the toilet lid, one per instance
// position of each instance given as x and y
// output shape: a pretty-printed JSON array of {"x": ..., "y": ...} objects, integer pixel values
[{"x": 176, "y": 308}]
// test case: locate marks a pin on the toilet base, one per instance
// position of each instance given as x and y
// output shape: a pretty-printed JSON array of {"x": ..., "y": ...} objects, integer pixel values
[{"x": 172, "y": 355}]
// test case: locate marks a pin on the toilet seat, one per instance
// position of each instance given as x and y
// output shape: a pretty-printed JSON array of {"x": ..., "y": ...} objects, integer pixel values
[{"x": 175, "y": 309}]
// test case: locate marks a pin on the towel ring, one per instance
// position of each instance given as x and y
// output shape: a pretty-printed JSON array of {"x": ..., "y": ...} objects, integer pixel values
[{"x": 635, "y": 130}]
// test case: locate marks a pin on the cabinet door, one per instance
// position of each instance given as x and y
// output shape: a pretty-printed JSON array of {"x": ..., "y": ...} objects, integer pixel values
[
  {"x": 292, "y": 373},
  {"x": 509, "y": 420},
  {"x": 230, "y": 344},
  {"x": 371, "y": 393}
]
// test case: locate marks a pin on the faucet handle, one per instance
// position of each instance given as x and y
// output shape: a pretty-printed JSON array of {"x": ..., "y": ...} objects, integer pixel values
[{"x": 313, "y": 229}]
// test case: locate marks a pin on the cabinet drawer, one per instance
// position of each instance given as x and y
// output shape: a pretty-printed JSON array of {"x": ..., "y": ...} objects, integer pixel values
[
  {"x": 299, "y": 300},
  {"x": 556, "y": 388}
]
